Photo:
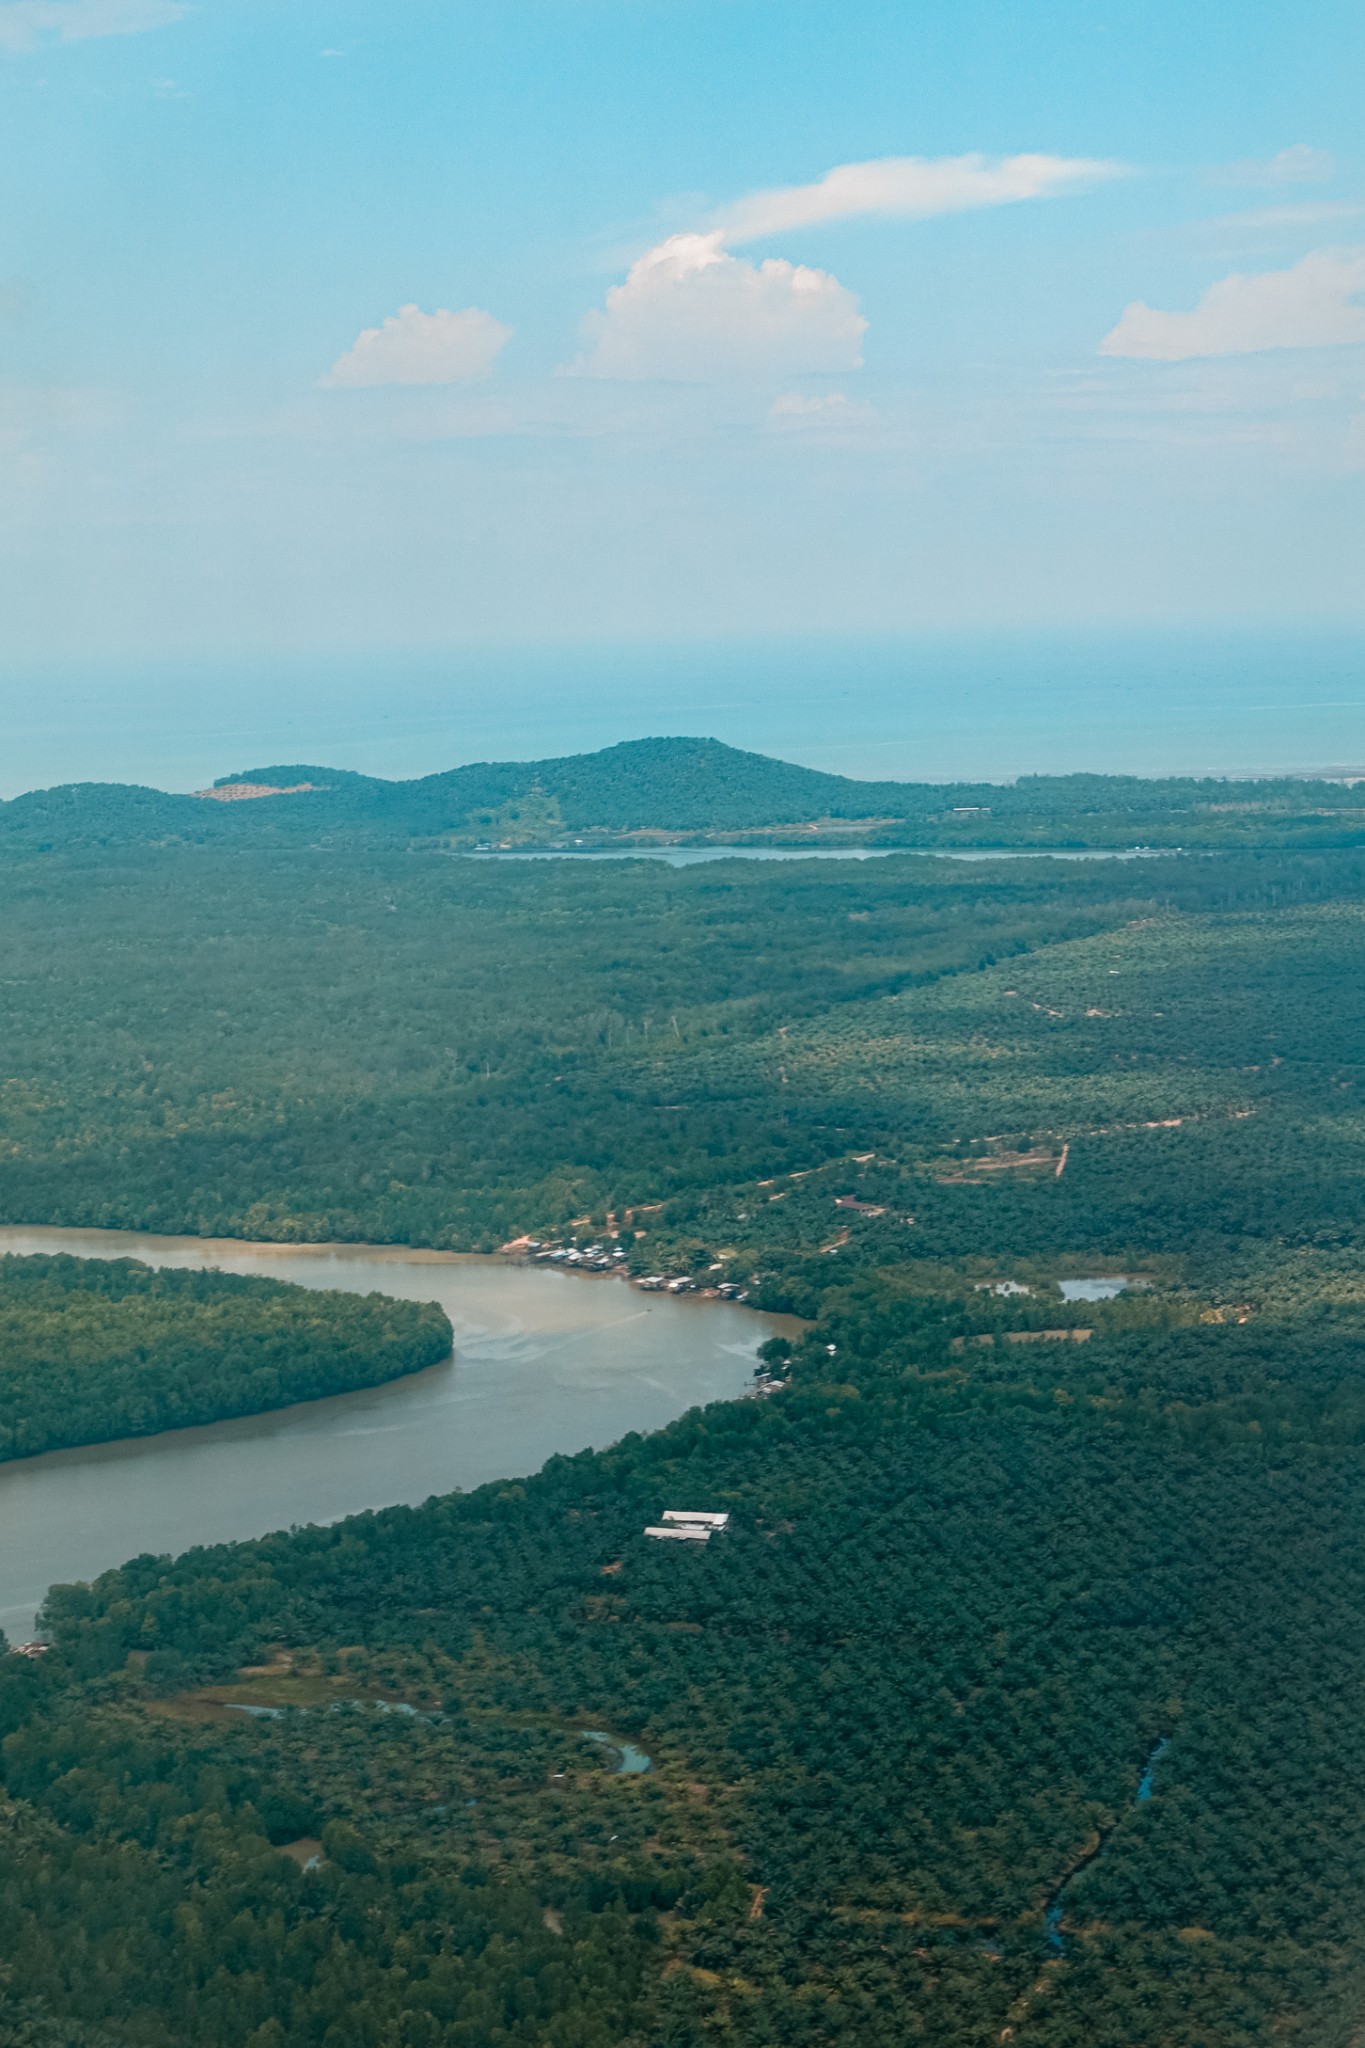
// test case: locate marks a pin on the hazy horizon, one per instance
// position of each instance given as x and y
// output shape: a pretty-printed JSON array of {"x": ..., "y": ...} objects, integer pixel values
[
  {"x": 344, "y": 328},
  {"x": 933, "y": 708},
  {"x": 934, "y": 394}
]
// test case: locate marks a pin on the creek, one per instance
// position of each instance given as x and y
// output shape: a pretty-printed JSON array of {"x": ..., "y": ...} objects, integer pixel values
[{"x": 1056, "y": 1903}]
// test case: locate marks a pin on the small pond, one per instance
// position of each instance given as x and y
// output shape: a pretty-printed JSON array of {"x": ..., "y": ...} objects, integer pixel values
[
  {"x": 625, "y": 1756},
  {"x": 1103, "y": 1287}
]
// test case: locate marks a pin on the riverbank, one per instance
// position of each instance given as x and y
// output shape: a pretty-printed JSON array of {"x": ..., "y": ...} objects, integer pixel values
[
  {"x": 95, "y": 1349},
  {"x": 544, "y": 1367}
]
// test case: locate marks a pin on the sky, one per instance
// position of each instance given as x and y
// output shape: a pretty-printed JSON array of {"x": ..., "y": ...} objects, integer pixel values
[{"x": 337, "y": 328}]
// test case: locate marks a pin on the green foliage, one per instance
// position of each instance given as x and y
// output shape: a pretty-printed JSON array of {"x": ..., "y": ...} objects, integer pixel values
[
  {"x": 25, "y": 2025},
  {"x": 92, "y": 1349},
  {"x": 416, "y": 1049},
  {"x": 956, "y": 1609},
  {"x": 978, "y": 1579},
  {"x": 695, "y": 787}
]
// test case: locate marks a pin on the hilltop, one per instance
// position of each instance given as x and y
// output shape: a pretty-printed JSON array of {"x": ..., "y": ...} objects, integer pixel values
[{"x": 680, "y": 789}]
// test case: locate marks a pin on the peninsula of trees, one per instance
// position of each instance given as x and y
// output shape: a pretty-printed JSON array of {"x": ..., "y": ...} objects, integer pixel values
[{"x": 92, "y": 1349}]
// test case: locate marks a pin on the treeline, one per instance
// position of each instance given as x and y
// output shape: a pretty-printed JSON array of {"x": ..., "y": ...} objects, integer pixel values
[
  {"x": 93, "y": 1349},
  {"x": 693, "y": 787}
]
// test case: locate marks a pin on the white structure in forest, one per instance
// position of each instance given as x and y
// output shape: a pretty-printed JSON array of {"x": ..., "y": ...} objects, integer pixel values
[{"x": 688, "y": 1525}]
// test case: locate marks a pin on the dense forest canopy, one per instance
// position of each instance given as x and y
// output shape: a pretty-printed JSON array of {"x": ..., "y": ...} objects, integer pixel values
[
  {"x": 408, "y": 1049},
  {"x": 686, "y": 789},
  {"x": 92, "y": 1349},
  {"x": 958, "y": 1614},
  {"x": 1020, "y": 1699}
]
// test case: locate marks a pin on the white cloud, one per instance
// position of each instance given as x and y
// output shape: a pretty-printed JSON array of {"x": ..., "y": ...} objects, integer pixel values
[
  {"x": 1299, "y": 213},
  {"x": 1298, "y": 165},
  {"x": 1310, "y": 305},
  {"x": 413, "y": 347},
  {"x": 909, "y": 188},
  {"x": 689, "y": 312},
  {"x": 800, "y": 405},
  {"x": 26, "y": 23},
  {"x": 833, "y": 416}
]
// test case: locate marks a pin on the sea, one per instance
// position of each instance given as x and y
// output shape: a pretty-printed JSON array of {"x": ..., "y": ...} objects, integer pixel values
[{"x": 959, "y": 707}]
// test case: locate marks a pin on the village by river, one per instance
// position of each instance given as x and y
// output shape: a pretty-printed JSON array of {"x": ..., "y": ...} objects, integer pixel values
[{"x": 545, "y": 1362}]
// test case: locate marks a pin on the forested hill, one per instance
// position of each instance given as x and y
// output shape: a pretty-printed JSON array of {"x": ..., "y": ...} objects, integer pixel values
[{"x": 688, "y": 789}]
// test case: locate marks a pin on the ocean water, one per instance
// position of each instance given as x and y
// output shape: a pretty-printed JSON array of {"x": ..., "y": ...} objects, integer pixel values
[{"x": 935, "y": 708}]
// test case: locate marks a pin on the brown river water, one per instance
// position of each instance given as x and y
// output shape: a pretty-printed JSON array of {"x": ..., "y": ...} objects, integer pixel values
[{"x": 544, "y": 1362}]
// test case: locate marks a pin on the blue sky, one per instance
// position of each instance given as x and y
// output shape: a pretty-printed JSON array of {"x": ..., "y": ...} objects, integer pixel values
[{"x": 381, "y": 328}]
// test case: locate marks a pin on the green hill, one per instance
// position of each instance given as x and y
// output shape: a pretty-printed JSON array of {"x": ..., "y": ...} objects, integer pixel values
[
  {"x": 682, "y": 787},
  {"x": 668, "y": 785}
]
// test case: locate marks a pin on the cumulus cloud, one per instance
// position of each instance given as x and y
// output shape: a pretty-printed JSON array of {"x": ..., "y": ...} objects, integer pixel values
[
  {"x": 26, "y": 23},
  {"x": 413, "y": 347},
  {"x": 1311, "y": 305},
  {"x": 1298, "y": 165},
  {"x": 690, "y": 312},
  {"x": 909, "y": 188}
]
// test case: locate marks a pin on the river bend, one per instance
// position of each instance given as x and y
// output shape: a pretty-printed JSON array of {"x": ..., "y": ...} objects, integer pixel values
[{"x": 545, "y": 1362}]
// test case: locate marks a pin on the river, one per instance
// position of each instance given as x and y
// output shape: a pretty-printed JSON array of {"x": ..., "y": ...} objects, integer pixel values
[
  {"x": 689, "y": 856},
  {"x": 545, "y": 1361}
]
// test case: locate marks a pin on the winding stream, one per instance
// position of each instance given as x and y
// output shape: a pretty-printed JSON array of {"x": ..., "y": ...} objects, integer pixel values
[
  {"x": 545, "y": 1362},
  {"x": 1056, "y": 1903}
]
